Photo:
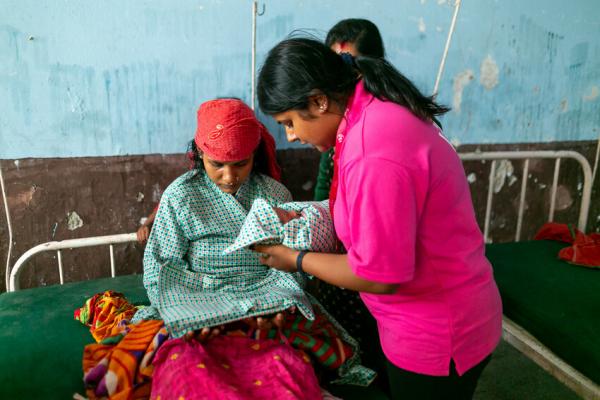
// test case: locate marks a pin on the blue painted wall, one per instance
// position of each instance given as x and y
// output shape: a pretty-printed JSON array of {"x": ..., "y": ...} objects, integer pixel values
[{"x": 110, "y": 78}]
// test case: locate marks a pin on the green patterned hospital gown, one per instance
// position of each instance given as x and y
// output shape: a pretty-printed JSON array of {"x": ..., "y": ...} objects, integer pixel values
[{"x": 191, "y": 284}]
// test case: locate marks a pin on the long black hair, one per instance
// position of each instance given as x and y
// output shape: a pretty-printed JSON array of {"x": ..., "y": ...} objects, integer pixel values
[
  {"x": 362, "y": 33},
  {"x": 299, "y": 68}
]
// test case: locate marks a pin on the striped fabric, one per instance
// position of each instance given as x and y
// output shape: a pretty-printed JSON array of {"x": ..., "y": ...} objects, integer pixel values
[
  {"x": 124, "y": 370},
  {"x": 105, "y": 314}
]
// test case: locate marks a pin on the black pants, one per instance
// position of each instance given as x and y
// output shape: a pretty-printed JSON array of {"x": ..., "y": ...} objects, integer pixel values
[{"x": 409, "y": 385}]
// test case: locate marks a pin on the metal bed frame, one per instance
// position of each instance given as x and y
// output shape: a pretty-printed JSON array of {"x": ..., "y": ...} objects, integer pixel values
[{"x": 512, "y": 333}]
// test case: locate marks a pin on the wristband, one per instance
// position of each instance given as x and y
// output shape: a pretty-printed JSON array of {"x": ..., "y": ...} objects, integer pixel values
[{"x": 299, "y": 262}]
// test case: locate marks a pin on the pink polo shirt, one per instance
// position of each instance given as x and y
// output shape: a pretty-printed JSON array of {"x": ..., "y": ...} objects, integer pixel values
[{"x": 404, "y": 213}]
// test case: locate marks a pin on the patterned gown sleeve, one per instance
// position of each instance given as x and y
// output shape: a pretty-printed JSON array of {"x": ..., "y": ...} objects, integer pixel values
[{"x": 168, "y": 244}]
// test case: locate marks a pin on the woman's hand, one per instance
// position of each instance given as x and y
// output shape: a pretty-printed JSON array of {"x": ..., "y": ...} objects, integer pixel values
[
  {"x": 143, "y": 233},
  {"x": 286, "y": 216},
  {"x": 279, "y": 257},
  {"x": 203, "y": 334},
  {"x": 266, "y": 322}
]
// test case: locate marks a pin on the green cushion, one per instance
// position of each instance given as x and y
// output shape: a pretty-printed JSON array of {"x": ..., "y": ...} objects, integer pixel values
[
  {"x": 41, "y": 345},
  {"x": 555, "y": 301}
]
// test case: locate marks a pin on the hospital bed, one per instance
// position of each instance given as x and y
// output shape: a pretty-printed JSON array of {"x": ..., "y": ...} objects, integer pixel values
[{"x": 551, "y": 308}]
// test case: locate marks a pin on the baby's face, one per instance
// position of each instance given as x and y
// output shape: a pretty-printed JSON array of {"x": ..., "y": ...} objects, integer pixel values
[{"x": 286, "y": 216}]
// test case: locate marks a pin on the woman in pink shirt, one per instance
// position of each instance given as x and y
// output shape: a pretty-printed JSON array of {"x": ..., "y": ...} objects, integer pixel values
[{"x": 402, "y": 210}]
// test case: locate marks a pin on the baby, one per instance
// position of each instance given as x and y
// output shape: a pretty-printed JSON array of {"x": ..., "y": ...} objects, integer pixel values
[{"x": 299, "y": 225}]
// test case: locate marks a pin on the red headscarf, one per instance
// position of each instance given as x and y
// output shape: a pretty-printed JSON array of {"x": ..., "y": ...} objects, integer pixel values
[{"x": 229, "y": 131}]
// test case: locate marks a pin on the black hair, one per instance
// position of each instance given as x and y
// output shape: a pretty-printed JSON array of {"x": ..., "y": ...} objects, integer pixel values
[
  {"x": 362, "y": 33},
  {"x": 194, "y": 155},
  {"x": 299, "y": 68}
]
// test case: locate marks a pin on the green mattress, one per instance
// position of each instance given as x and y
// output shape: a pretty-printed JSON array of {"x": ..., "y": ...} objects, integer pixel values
[
  {"x": 41, "y": 345},
  {"x": 558, "y": 303}
]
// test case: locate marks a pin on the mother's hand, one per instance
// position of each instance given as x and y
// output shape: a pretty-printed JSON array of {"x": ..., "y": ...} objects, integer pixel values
[{"x": 279, "y": 257}]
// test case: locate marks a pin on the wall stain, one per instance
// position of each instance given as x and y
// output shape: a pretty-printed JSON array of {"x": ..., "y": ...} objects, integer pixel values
[
  {"x": 489, "y": 73},
  {"x": 461, "y": 80}
]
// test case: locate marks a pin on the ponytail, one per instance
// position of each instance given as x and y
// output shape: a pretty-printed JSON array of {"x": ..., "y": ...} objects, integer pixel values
[
  {"x": 298, "y": 68},
  {"x": 386, "y": 83}
]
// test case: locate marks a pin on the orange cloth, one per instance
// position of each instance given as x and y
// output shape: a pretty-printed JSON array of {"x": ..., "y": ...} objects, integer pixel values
[
  {"x": 584, "y": 249},
  {"x": 128, "y": 364},
  {"x": 106, "y": 314}
]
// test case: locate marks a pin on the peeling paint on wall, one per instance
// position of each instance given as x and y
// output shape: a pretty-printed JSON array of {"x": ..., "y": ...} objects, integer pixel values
[
  {"x": 74, "y": 221},
  {"x": 489, "y": 73},
  {"x": 563, "y": 198},
  {"x": 461, "y": 80},
  {"x": 593, "y": 94},
  {"x": 156, "y": 193},
  {"x": 108, "y": 100},
  {"x": 504, "y": 170},
  {"x": 422, "y": 26},
  {"x": 25, "y": 197}
]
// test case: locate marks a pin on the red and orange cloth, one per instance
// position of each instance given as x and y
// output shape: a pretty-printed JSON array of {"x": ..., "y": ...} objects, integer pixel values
[
  {"x": 123, "y": 370},
  {"x": 121, "y": 365},
  {"x": 584, "y": 249},
  {"x": 105, "y": 313}
]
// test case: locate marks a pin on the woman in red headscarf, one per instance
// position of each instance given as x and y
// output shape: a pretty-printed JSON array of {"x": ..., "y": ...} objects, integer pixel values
[
  {"x": 201, "y": 212},
  {"x": 221, "y": 157}
]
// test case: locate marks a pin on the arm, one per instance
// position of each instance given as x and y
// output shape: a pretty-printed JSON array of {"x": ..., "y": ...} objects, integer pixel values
[
  {"x": 331, "y": 268},
  {"x": 143, "y": 233},
  {"x": 167, "y": 244},
  {"x": 382, "y": 210}
]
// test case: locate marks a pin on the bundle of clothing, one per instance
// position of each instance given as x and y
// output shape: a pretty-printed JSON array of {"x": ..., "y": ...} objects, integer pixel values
[{"x": 584, "y": 250}]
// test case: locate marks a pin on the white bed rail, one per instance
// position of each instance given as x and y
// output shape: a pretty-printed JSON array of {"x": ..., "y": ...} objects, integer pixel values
[
  {"x": 529, "y": 155},
  {"x": 474, "y": 156},
  {"x": 109, "y": 240}
]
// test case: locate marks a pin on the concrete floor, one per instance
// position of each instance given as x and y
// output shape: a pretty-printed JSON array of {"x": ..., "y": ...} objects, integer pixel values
[{"x": 512, "y": 376}]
